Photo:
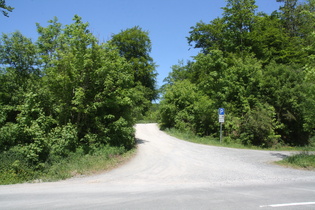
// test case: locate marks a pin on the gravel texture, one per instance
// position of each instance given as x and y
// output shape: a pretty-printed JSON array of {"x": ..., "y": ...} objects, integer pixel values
[{"x": 165, "y": 160}]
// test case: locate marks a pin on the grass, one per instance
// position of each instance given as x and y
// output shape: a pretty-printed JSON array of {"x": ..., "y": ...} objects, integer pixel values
[
  {"x": 80, "y": 164},
  {"x": 226, "y": 142},
  {"x": 207, "y": 140},
  {"x": 76, "y": 164},
  {"x": 304, "y": 160}
]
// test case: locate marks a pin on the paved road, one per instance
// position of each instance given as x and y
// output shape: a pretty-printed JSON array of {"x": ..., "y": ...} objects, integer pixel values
[{"x": 168, "y": 173}]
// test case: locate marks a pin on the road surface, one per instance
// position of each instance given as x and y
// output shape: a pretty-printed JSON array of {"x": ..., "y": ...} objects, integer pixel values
[{"x": 168, "y": 173}]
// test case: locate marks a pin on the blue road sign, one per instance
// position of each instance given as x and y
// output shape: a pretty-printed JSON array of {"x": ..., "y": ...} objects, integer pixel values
[{"x": 221, "y": 111}]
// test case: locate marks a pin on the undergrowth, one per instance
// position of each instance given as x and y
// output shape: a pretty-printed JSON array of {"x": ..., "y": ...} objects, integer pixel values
[
  {"x": 303, "y": 160},
  {"x": 227, "y": 142},
  {"x": 207, "y": 140},
  {"x": 13, "y": 168}
]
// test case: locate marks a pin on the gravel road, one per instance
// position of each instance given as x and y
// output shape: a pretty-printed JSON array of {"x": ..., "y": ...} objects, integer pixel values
[
  {"x": 168, "y": 173},
  {"x": 165, "y": 160}
]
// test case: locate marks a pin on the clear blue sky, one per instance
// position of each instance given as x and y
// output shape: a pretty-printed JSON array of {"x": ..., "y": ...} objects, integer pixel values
[{"x": 167, "y": 21}]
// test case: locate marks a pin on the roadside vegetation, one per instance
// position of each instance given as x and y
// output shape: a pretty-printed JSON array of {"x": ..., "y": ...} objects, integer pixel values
[
  {"x": 214, "y": 141},
  {"x": 15, "y": 169},
  {"x": 303, "y": 160},
  {"x": 68, "y": 103}
]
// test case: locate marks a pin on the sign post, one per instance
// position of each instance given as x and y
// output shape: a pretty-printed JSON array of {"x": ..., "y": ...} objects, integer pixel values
[{"x": 221, "y": 120}]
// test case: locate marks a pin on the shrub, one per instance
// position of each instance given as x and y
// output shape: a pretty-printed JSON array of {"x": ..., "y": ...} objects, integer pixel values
[{"x": 258, "y": 127}]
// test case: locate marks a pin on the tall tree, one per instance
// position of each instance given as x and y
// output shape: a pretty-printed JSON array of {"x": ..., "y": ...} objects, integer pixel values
[
  {"x": 270, "y": 41},
  {"x": 135, "y": 45},
  {"x": 18, "y": 53},
  {"x": 239, "y": 16},
  {"x": 229, "y": 33},
  {"x": 306, "y": 21},
  {"x": 208, "y": 37},
  {"x": 289, "y": 16},
  {"x": 49, "y": 42},
  {"x": 91, "y": 85}
]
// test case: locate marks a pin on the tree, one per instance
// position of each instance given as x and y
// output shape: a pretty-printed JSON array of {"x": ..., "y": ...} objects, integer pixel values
[
  {"x": 5, "y": 9},
  {"x": 239, "y": 16},
  {"x": 306, "y": 20},
  {"x": 18, "y": 60},
  {"x": 284, "y": 87},
  {"x": 208, "y": 36},
  {"x": 179, "y": 72},
  {"x": 229, "y": 33},
  {"x": 187, "y": 108},
  {"x": 207, "y": 73},
  {"x": 289, "y": 16},
  {"x": 134, "y": 44},
  {"x": 309, "y": 94},
  {"x": 49, "y": 41},
  {"x": 91, "y": 85},
  {"x": 270, "y": 41},
  {"x": 19, "y": 54}
]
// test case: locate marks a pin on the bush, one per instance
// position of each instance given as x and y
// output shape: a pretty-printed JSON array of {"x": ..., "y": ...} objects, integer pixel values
[
  {"x": 184, "y": 107},
  {"x": 14, "y": 167},
  {"x": 63, "y": 140},
  {"x": 258, "y": 127},
  {"x": 9, "y": 137},
  {"x": 121, "y": 134}
]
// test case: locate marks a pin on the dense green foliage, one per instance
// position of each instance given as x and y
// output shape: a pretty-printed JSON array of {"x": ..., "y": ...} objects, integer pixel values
[
  {"x": 259, "y": 67},
  {"x": 66, "y": 92},
  {"x": 15, "y": 169},
  {"x": 135, "y": 45}
]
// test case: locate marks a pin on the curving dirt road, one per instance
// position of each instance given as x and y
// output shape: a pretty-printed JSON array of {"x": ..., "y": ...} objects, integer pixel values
[
  {"x": 168, "y": 173},
  {"x": 165, "y": 160}
]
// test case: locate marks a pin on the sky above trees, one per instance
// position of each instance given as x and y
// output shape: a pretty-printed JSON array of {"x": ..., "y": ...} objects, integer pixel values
[{"x": 167, "y": 21}]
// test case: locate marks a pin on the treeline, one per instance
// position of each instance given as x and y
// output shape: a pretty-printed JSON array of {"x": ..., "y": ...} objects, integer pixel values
[
  {"x": 259, "y": 67},
  {"x": 68, "y": 91}
]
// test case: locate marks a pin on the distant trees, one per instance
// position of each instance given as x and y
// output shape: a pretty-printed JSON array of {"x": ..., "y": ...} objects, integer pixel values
[
  {"x": 255, "y": 65},
  {"x": 68, "y": 91}
]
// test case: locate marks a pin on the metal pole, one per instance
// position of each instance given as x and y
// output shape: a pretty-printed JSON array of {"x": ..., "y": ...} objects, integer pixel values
[{"x": 220, "y": 133}]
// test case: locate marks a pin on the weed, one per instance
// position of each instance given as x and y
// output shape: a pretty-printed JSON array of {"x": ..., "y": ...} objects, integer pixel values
[
  {"x": 304, "y": 160},
  {"x": 13, "y": 170}
]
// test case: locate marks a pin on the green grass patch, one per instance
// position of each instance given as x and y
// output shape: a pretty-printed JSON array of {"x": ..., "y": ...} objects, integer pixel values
[
  {"x": 303, "y": 160},
  {"x": 13, "y": 170},
  {"x": 206, "y": 140},
  {"x": 227, "y": 142}
]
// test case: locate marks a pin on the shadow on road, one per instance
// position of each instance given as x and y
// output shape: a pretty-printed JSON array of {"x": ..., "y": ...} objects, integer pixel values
[
  {"x": 141, "y": 141},
  {"x": 279, "y": 155}
]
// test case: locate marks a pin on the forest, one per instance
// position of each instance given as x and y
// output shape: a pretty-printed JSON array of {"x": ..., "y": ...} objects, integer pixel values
[{"x": 259, "y": 67}]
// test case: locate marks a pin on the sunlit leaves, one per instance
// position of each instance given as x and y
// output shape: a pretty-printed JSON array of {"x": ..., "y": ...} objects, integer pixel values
[
  {"x": 134, "y": 45},
  {"x": 67, "y": 91}
]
